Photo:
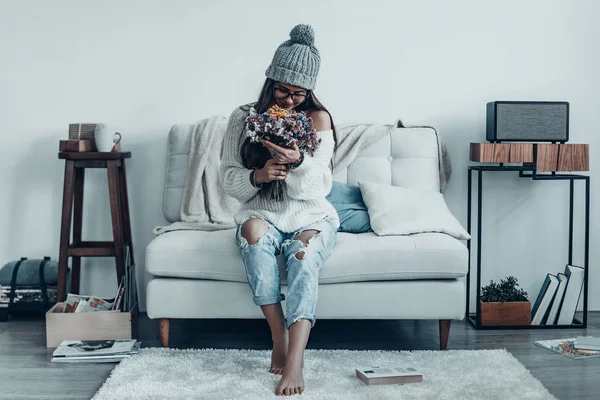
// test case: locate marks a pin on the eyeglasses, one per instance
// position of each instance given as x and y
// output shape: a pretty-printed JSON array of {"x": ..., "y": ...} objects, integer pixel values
[{"x": 282, "y": 94}]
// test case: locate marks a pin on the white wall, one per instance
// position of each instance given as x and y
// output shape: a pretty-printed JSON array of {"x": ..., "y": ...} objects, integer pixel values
[{"x": 142, "y": 66}]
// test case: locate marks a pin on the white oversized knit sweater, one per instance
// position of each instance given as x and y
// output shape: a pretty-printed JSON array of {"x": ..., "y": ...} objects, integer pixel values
[{"x": 305, "y": 187}]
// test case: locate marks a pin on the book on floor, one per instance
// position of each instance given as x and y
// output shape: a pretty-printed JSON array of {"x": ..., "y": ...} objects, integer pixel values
[
  {"x": 570, "y": 300},
  {"x": 95, "y": 350},
  {"x": 587, "y": 343},
  {"x": 544, "y": 299},
  {"x": 388, "y": 375}
]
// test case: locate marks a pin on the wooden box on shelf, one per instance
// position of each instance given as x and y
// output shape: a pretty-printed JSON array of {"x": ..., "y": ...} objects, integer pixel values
[
  {"x": 93, "y": 325},
  {"x": 563, "y": 157},
  {"x": 76, "y": 145},
  {"x": 501, "y": 152},
  {"x": 505, "y": 313}
]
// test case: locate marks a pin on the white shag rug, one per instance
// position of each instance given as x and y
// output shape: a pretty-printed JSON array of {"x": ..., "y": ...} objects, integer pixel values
[{"x": 328, "y": 375}]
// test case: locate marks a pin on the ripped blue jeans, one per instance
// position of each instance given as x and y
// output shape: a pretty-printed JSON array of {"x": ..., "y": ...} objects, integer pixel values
[{"x": 302, "y": 274}]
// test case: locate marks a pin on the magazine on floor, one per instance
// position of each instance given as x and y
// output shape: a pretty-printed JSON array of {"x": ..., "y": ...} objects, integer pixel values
[
  {"x": 96, "y": 348},
  {"x": 566, "y": 348}
]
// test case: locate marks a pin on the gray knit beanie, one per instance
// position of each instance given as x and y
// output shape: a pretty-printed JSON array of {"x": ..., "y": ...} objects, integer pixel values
[{"x": 296, "y": 61}]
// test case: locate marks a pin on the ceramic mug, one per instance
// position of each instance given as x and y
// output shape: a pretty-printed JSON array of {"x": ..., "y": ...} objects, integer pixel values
[{"x": 105, "y": 139}]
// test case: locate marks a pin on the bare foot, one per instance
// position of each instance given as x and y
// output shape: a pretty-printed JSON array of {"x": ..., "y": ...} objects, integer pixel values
[
  {"x": 292, "y": 381},
  {"x": 280, "y": 348}
]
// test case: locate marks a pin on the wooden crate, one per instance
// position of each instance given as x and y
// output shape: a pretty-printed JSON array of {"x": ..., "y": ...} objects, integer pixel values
[
  {"x": 508, "y": 313},
  {"x": 93, "y": 325}
]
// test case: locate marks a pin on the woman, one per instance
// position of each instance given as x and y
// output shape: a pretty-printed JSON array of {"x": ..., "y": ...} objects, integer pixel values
[{"x": 302, "y": 224}]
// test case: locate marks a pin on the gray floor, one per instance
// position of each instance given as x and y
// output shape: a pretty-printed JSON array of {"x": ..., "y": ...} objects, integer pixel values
[{"x": 27, "y": 373}]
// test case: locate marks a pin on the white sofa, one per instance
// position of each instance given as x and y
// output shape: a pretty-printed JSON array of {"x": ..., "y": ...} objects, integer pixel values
[{"x": 200, "y": 274}]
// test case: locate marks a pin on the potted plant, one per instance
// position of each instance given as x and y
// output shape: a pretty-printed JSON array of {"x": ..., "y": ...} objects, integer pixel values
[{"x": 504, "y": 303}]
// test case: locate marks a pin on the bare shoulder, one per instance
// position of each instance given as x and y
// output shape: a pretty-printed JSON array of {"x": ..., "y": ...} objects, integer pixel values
[{"x": 321, "y": 119}]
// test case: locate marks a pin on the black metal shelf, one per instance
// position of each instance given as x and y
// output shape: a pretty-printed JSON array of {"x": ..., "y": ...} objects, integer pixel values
[
  {"x": 525, "y": 171},
  {"x": 577, "y": 324}
]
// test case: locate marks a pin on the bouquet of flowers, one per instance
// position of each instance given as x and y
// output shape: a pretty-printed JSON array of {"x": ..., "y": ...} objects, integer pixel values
[{"x": 282, "y": 127}]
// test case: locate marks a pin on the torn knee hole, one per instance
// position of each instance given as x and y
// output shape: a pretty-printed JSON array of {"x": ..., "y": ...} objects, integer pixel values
[
  {"x": 305, "y": 237},
  {"x": 253, "y": 230},
  {"x": 300, "y": 255},
  {"x": 253, "y": 241}
]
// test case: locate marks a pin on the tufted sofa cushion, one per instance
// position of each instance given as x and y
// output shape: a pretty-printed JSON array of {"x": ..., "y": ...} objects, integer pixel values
[{"x": 405, "y": 157}]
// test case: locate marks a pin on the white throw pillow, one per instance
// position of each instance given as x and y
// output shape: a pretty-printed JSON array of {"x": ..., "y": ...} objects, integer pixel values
[{"x": 394, "y": 210}]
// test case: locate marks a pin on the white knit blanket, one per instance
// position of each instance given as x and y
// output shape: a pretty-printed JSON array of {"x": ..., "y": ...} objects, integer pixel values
[{"x": 205, "y": 205}]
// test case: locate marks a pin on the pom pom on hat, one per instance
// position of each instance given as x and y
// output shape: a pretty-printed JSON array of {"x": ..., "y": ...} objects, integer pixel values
[{"x": 303, "y": 34}]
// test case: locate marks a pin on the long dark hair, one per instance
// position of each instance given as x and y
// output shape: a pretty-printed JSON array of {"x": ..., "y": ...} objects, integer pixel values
[{"x": 255, "y": 155}]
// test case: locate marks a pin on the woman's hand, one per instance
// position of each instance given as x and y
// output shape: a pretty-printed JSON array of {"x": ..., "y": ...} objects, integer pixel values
[
  {"x": 272, "y": 171},
  {"x": 283, "y": 155}
]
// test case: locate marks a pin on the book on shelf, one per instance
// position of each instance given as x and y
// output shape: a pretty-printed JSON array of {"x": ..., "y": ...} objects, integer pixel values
[
  {"x": 388, "y": 375},
  {"x": 558, "y": 297},
  {"x": 95, "y": 350},
  {"x": 572, "y": 294},
  {"x": 544, "y": 299},
  {"x": 562, "y": 285}
]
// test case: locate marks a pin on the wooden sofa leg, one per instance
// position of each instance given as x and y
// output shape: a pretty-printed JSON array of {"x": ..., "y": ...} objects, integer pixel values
[
  {"x": 444, "y": 333},
  {"x": 163, "y": 327}
]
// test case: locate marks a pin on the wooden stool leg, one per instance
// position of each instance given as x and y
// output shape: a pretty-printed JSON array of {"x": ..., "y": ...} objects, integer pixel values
[
  {"x": 65, "y": 229},
  {"x": 115, "y": 211},
  {"x": 77, "y": 227},
  {"x": 125, "y": 209}
]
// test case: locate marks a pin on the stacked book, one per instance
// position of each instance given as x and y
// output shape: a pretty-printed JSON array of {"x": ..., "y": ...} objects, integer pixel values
[
  {"x": 4, "y": 300},
  {"x": 558, "y": 298},
  {"x": 95, "y": 351}
]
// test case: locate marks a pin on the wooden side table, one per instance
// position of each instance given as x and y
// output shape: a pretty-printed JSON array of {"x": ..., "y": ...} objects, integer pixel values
[
  {"x": 539, "y": 162},
  {"x": 75, "y": 165}
]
